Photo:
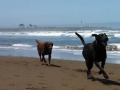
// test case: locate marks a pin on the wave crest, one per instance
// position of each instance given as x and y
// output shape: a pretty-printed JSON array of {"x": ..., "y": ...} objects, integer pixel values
[{"x": 74, "y": 47}]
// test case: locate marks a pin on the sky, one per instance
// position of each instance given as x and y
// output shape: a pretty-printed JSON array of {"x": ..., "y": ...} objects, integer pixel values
[{"x": 58, "y": 12}]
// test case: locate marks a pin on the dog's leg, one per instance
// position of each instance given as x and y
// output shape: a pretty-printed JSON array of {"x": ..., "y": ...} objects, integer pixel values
[
  {"x": 39, "y": 53},
  {"x": 49, "y": 59},
  {"x": 101, "y": 69},
  {"x": 43, "y": 58},
  {"x": 89, "y": 65},
  {"x": 102, "y": 65}
]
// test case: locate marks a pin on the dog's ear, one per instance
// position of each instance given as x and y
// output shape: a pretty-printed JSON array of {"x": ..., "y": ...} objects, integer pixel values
[
  {"x": 48, "y": 45},
  {"x": 94, "y": 35},
  {"x": 51, "y": 43}
]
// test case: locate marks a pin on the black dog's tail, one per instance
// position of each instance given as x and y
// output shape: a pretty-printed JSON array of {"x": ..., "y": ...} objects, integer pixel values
[{"x": 83, "y": 42}]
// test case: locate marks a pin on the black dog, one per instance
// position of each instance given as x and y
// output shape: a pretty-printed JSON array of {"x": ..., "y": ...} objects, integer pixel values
[{"x": 95, "y": 52}]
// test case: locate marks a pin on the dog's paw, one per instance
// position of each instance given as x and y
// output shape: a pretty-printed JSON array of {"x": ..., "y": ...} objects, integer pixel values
[
  {"x": 105, "y": 76},
  {"x": 90, "y": 76},
  {"x": 100, "y": 72},
  {"x": 48, "y": 64}
]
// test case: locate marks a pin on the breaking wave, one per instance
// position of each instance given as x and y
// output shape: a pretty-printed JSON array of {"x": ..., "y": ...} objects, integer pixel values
[
  {"x": 84, "y": 33},
  {"x": 110, "y": 47}
]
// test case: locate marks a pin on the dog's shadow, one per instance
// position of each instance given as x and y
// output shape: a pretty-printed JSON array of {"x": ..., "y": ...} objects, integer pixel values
[
  {"x": 107, "y": 82},
  {"x": 53, "y": 65}
]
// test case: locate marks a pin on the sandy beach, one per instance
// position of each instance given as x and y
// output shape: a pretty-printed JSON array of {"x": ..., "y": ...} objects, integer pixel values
[{"x": 20, "y": 73}]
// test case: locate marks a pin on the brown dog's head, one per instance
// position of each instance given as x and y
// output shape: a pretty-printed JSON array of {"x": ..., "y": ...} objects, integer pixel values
[
  {"x": 101, "y": 39},
  {"x": 49, "y": 45}
]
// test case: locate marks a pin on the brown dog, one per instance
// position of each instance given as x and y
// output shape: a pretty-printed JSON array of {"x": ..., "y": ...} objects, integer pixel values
[{"x": 44, "y": 48}]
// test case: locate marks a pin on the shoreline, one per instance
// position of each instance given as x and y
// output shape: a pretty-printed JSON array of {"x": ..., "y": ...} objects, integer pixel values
[
  {"x": 56, "y": 54},
  {"x": 25, "y": 73}
]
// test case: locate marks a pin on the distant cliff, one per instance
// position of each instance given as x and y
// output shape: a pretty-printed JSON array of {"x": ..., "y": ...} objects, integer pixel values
[{"x": 61, "y": 28}]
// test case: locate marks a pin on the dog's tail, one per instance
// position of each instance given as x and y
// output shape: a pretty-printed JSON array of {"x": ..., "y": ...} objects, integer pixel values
[
  {"x": 83, "y": 42},
  {"x": 37, "y": 41}
]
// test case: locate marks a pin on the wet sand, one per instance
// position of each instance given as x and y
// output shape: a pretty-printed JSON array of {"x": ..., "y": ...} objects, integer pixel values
[{"x": 21, "y": 73}]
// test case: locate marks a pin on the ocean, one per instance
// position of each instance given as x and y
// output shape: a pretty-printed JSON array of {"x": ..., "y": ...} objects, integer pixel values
[{"x": 67, "y": 46}]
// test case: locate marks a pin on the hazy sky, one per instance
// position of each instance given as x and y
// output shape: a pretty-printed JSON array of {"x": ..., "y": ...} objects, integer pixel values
[{"x": 58, "y": 12}]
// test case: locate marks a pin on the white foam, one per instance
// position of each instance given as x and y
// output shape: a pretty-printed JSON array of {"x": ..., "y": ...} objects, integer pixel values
[
  {"x": 114, "y": 31},
  {"x": 84, "y": 33},
  {"x": 21, "y": 45},
  {"x": 117, "y": 44},
  {"x": 117, "y": 35},
  {"x": 56, "y": 47}
]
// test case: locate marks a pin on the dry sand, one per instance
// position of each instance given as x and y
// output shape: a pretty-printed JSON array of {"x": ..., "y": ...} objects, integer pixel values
[{"x": 19, "y": 73}]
